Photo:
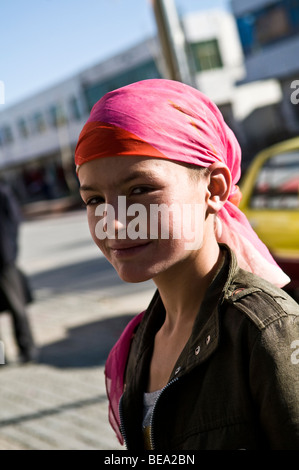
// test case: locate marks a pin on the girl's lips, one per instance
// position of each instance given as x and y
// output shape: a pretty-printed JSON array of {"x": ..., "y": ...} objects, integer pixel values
[{"x": 128, "y": 250}]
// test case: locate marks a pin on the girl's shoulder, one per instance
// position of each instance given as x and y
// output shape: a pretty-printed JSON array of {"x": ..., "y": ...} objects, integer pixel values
[{"x": 260, "y": 300}]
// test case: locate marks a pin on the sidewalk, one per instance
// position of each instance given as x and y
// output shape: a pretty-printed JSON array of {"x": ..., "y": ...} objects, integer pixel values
[{"x": 80, "y": 309}]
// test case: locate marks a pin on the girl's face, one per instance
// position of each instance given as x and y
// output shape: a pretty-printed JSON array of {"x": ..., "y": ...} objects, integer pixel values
[{"x": 122, "y": 196}]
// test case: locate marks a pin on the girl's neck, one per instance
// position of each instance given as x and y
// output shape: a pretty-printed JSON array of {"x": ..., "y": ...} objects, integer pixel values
[{"x": 182, "y": 289}]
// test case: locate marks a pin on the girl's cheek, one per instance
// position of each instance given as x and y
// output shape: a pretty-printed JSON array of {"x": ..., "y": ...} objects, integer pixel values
[{"x": 92, "y": 223}]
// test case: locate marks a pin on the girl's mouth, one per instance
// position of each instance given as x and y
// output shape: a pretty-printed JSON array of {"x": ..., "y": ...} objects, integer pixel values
[{"x": 128, "y": 250}]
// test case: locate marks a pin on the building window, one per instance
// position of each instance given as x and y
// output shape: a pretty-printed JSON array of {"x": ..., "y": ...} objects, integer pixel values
[
  {"x": 206, "y": 55},
  {"x": 22, "y": 127},
  {"x": 39, "y": 122},
  {"x": 268, "y": 25},
  {"x": 74, "y": 108},
  {"x": 273, "y": 25},
  {"x": 6, "y": 135},
  {"x": 57, "y": 115}
]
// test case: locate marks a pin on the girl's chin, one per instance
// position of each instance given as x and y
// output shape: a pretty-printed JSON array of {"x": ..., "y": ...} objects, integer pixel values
[
  {"x": 134, "y": 276},
  {"x": 145, "y": 270}
]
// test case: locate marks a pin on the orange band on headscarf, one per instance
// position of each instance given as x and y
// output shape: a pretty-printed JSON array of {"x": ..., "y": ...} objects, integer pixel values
[{"x": 99, "y": 139}]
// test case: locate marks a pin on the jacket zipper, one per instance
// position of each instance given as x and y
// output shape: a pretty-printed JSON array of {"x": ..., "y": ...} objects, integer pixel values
[
  {"x": 152, "y": 440},
  {"x": 121, "y": 422},
  {"x": 122, "y": 426}
]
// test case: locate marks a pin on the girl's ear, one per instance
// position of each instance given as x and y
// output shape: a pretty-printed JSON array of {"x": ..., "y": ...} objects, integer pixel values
[{"x": 219, "y": 187}]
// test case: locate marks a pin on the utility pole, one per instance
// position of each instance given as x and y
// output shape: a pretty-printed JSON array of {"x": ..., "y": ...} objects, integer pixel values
[{"x": 172, "y": 40}]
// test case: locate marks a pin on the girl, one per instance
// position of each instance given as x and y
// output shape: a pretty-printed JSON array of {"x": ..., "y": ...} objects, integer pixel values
[{"x": 208, "y": 364}]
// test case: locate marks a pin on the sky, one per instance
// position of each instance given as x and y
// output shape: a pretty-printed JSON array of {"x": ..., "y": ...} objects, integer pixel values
[{"x": 43, "y": 42}]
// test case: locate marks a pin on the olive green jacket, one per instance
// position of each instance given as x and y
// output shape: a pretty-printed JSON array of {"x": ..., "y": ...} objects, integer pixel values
[{"x": 235, "y": 384}]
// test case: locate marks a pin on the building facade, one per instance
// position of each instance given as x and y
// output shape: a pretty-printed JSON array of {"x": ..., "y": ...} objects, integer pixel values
[
  {"x": 269, "y": 34},
  {"x": 39, "y": 134}
]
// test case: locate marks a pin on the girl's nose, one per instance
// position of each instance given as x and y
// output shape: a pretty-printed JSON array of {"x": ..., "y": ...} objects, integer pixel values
[{"x": 113, "y": 221}]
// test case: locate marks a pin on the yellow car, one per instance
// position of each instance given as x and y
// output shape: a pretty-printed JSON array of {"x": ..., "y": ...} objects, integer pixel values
[{"x": 270, "y": 200}]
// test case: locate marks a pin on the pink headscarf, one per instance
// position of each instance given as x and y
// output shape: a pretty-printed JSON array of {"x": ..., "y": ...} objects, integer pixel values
[{"x": 167, "y": 119}]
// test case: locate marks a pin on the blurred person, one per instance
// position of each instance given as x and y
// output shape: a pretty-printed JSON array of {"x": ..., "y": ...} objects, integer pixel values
[
  {"x": 15, "y": 292},
  {"x": 208, "y": 365}
]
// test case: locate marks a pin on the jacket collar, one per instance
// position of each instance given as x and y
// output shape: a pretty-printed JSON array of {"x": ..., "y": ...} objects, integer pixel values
[{"x": 205, "y": 334}]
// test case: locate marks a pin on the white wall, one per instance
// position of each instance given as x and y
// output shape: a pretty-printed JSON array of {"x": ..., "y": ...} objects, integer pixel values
[{"x": 218, "y": 84}]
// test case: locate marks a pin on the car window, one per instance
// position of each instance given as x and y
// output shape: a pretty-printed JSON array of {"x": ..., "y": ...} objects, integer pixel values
[{"x": 277, "y": 184}]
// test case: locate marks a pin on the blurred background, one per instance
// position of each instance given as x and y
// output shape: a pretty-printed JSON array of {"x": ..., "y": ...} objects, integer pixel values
[{"x": 57, "y": 58}]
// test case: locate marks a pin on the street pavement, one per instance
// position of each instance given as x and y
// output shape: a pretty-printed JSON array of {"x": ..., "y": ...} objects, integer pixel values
[{"x": 80, "y": 308}]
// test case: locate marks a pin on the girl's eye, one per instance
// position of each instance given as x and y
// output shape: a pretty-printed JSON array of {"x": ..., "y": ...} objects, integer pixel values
[
  {"x": 94, "y": 201},
  {"x": 141, "y": 190}
]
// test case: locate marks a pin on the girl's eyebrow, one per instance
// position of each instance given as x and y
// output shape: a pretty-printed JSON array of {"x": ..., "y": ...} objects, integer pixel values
[
  {"x": 138, "y": 174},
  {"x": 85, "y": 188},
  {"x": 128, "y": 179}
]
